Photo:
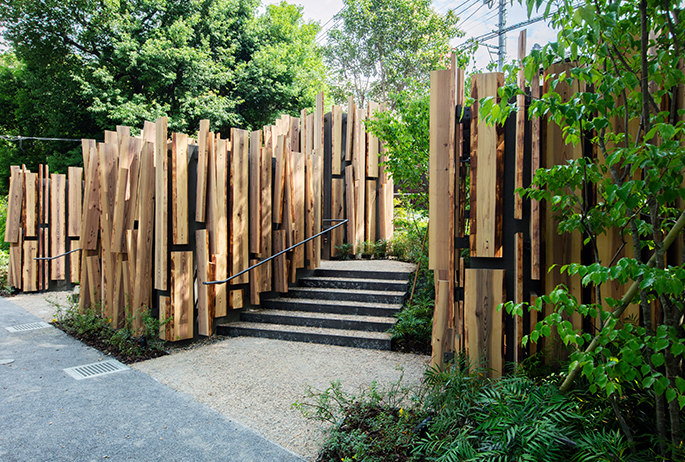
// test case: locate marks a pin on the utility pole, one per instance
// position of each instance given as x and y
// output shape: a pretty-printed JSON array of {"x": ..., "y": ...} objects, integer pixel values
[{"x": 502, "y": 48}]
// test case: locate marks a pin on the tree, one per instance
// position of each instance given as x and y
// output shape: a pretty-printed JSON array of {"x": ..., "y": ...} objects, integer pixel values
[
  {"x": 381, "y": 47},
  {"x": 626, "y": 57},
  {"x": 85, "y": 66}
]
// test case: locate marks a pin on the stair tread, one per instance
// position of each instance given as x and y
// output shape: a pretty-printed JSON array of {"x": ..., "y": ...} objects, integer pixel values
[
  {"x": 317, "y": 301},
  {"x": 315, "y": 315},
  {"x": 310, "y": 330},
  {"x": 360, "y": 280},
  {"x": 384, "y": 293}
]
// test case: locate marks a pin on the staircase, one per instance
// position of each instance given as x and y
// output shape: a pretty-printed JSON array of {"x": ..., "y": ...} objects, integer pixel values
[{"x": 346, "y": 303}]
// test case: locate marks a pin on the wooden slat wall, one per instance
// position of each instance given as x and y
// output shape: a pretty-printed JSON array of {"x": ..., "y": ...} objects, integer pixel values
[
  {"x": 58, "y": 212},
  {"x": 560, "y": 249},
  {"x": 487, "y": 151},
  {"x": 484, "y": 291}
]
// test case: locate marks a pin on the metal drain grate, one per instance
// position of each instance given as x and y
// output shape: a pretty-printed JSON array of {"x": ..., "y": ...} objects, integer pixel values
[
  {"x": 29, "y": 326},
  {"x": 95, "y": 369}
]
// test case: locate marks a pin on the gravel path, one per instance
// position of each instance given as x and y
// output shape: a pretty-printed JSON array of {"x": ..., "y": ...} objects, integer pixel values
[{"x": 256, "y": 381}]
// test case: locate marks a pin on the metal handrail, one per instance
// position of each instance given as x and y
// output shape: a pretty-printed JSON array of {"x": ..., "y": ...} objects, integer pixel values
[
  {"x": 57, "y": 256},
  {"x": 276, "y": 255}
]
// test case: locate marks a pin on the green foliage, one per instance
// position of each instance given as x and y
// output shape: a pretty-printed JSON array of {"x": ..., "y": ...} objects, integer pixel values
[
  {"x": 405, "y": 132},
  {"x": 637, "y": 187},
  {"x": 96, "y": 330},
  {"x": 382, "y": 47},
  {"x": 78, "y": 67},
  {"x": 457, "y": 416}
]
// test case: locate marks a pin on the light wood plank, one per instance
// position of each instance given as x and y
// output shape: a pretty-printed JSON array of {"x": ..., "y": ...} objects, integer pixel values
[
  {"x": 483, "y": 292},
  {"x": 74, "y": 261},
  {"x": 30, "y": 268},
  {"x": 179, "y": 175},
  {"x": 143, "y": 286},
  {"x": 372, "y": 157},
  {"x": 370, "y": 215},
  {"x": 351, "y": 111},
  {"x": 161, "y": 204},
  {"x": 337, "y": 213},
  {"x": 298, "y": 174},
  {"x": 75, "y": 200},
  {"x": 58, "y": 213},
  {"x": 336, "y": 140},
  {"x": 520, "y": 126},
  {"x": 30, "y": 204},
  {"x": 182, "y": 297},
  {"x": 239, "y": 250},
  {"x": 487, "y": 155},
  {"x": 202, "y": 160},
  {"x": 15, "y": 204},
  {"x": 255, "y": 199}
]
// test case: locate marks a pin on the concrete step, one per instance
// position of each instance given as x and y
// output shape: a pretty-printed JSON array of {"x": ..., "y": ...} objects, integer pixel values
[
  {"x": 375, "y": 296},
  {"x": 351, "y": 338},
  {"x": 325, "y": 320},
  {"x": 325, "y": 282},
  {"x": 361, "y": 274},
  {"x": 332, "y": 306}
]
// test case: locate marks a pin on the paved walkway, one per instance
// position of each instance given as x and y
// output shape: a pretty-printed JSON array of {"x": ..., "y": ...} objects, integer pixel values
[{"x": 46, "y": 415}]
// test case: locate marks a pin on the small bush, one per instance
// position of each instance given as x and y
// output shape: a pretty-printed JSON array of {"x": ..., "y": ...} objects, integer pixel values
[{"x": 96, "y": 331}]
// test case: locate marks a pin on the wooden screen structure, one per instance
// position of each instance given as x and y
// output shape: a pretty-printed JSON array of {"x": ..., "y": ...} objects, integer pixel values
[{"x": 157, "y": 214}]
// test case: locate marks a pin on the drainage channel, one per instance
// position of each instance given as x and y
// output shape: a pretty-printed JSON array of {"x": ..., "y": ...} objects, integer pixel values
[
  {"x": 96, "y": 369},
  {"x": 29, "y": 326}
]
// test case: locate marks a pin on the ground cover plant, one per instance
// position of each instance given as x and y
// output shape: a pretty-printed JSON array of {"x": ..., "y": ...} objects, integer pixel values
[
  {"x": 458, "y": 416},
  {"x": 96, "y": 331}
]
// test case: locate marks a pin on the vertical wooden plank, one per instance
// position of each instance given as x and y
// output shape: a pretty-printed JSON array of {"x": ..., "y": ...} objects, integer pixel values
[
  {"x": 350, "y": 208},
  {"x": 204, "y": 313},
  {"x": 441, "y": 340},
  {"x": 298, "y": 167},
  {"x": 74, "y": 261},
  {"x": 161, "y": 204},
  {"x": 279, "y": 180},
  {"x": 30, "y": 268},
  {"x": 75, "y": 200},
  {"x": 520, "y": 126},
  {"x": 317, "y": 193},
  {"x": 14, "y": 276},
  {"x": 58, "y": 212},
  {"x": 166, "y": 311},
  {"x": 487, "y": 151},
  {"x": 565, "y": 248},
  {"x": 265, "y": 180},
  {"x": 535, "y": 232},
  {"x": 280, "y": 268},
  {"x": 14, "y": 206},
  {"x": 91, "y": 203},
  {"x": 337, "y": 213},
  {"x": 119, "y": 222},
  {"x": 201, "y": 192},
  {"x": 182, "y": 297},
  {"x": 255, "y": 200},
  {"x": 336, "y": 140},
  {"x": 372, "y": 157},
  {"x": 318, "y": 124},
  {"x": 239, "y": 249},
  {"x": 179, "y": 188},
  {"x": 30, "y": 204},
  {"x": 351, "y": 111},
  {"x": 518, "y": 297},
  {"x": 143, "y": 286},
  {"x": 370, "y": 216},
  {"x": 483, "y": 292}
]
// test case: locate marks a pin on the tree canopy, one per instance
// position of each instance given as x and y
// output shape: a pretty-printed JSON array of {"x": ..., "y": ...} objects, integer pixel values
[
  {"x": 76, "y": 67},
  {"x": 380, "y": 47}
]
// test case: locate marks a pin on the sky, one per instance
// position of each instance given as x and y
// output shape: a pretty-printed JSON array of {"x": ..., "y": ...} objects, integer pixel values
[{"x": 476, "y": 19}]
